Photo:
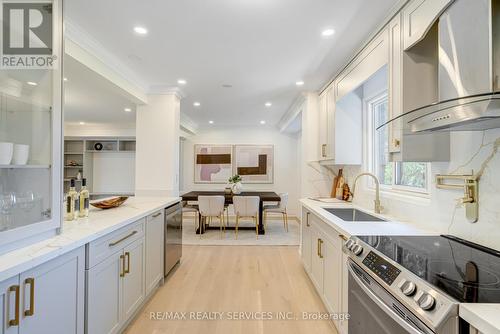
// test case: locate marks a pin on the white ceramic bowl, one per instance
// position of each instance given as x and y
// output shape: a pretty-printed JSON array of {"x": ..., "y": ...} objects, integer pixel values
[
  {"x": 21, "y": 154},
  {"x": 6, "y": 152}
]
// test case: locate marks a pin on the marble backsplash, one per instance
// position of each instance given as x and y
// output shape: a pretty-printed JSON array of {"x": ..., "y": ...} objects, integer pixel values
[{"x": 440, "y": 209}]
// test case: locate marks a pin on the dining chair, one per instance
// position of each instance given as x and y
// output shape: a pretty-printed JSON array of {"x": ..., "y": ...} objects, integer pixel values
[
  {"x": 192, "y": 208},
  {"x": 212, "y": 207},
  {"x": 246, "y": 207},
  {"x": 279, "y": 208}
]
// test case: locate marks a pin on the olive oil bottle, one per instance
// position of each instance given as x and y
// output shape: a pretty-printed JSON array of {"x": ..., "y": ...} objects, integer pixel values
[
  {"x": 84, "y": 200},
  {"x": 71, "y": 199}
]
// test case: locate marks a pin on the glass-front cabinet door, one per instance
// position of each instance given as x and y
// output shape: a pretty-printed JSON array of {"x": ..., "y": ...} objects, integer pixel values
[{"x": 30, "y": 121}]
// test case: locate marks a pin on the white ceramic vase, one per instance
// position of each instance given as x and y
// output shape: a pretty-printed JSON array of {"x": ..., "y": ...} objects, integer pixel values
[
  {"x": 237, "y": 188},
  {"x": 6, "y": 152}
]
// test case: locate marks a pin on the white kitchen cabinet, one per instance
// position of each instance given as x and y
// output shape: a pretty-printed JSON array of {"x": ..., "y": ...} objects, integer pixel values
[
  {"x": 395, "y": 130},
  {"x": 317, "y": 261},
  {"x": 327, "y": 269},
  {"x": 46, "y": 299},
  {"x": 327, "y": 124},
  {"x": 116, "y": 279},
  {"x": 306, "y": 240},
  {"x": 331, "y": 249},
  {"x": 418, "y": 18},
  {"x": 31, "y": 200},
  {"x": 155, "y": 240},
  {"x": 9, "y": 291},
  {"x": 134, "y": 279},
  {"x": 104, "y": 295},
  {"x": 53, "y": 296}
]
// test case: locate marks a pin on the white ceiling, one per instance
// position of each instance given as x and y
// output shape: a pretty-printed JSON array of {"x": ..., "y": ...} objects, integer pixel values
[
  {"x": 260, "y": 47},
  {"x": 92, "y": 99}
]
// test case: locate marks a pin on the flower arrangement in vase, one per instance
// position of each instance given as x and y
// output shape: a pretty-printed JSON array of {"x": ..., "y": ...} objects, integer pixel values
[{"x": 235, "y": 183}]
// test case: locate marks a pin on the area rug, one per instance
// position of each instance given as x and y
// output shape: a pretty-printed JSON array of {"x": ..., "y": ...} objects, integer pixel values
[{"x": 275, "y": 234}]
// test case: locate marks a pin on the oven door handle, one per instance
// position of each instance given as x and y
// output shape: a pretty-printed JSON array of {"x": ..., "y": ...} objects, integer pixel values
[{"x": 396, "y": 317}]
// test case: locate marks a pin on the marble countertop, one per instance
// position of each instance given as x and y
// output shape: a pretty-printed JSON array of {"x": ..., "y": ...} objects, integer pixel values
[
  {"x": 483, "y": 317},
  {"x": 391, "y": 227},
  {"x": 80, "y": 232}
]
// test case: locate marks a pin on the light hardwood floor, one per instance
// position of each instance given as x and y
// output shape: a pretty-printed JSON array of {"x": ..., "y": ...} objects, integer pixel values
[{"x": 235, "y": 279}]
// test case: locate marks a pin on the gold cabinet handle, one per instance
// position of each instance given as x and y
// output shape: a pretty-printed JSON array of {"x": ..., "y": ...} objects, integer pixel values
[
  {"x": 343, "y": 237},
  {"x": 156, "y": 214},
  {"x": 122, "y": 271},
  {"x": 122, "y": 239},
  {"x": 29, "y": 312},
  {"x": 15, "y": 321},
  {"x": 127, "y": 269},
  {"x": 396, "y": 142},
  {"x": 320, "y": 248},
  {"x": 307, "y": 219},
  {"x": 317, "y": 248}
]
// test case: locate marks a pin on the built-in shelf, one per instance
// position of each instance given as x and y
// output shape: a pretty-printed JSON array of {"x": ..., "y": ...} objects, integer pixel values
[
  {"x": 68, "y": 180},
  {"x": 24, "y": 166},
  {"x": 79, "y": 167},
  {"x": 74, "y": 153}
]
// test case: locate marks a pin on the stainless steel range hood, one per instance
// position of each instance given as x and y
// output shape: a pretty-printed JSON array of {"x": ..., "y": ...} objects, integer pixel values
[{"x": 468, "y": 75}]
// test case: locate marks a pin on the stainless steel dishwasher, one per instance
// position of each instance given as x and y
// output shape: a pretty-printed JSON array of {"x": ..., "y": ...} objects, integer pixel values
[{"x": 173, "y": 236}]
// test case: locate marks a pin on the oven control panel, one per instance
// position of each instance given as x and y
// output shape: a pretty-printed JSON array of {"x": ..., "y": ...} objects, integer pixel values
[{"x": 380, "y": 267}]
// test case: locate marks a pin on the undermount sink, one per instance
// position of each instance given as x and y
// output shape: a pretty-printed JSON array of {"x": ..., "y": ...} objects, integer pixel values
[{"x": 353, "y": 215}]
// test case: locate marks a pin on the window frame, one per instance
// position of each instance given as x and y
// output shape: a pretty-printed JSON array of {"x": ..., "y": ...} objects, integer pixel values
[{"x": 370, "y": 141}]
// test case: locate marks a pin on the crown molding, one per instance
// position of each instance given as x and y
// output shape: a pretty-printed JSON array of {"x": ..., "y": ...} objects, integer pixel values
[
  {"x": 188, "y": 125},
  {"x": 87, "y": 50},
  {"x": 292, "y": 112}
]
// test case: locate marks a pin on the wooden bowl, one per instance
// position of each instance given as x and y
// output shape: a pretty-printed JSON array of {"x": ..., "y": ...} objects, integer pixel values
[{"x": 109, "y": 203}]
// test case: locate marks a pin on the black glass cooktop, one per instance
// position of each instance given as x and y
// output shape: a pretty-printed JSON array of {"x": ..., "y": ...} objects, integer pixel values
[{"x": 466, "y": 271}]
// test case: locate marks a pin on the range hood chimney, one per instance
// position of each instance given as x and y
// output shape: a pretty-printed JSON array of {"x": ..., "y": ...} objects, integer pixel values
[{"x": 468, "y": 72}]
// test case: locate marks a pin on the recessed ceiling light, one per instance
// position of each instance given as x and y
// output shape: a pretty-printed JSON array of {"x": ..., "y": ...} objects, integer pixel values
[
  {"x": 300, "y": 83},
  {"x": 197, "y": 104},
  {"x": 210, "y": 122},
  {"x": 65, "y": 79},
  {"x": 140, "y": 30},
  {"x": 268, "y": 104},
  {"x": 31, "y": 83},
  {"x": 327, "y": 32},
  {"x": 127, "y": 109},
  {"x": 181, "y": 82},
  {"x": 227, "y": 86},
  {"x": 82, "y": 123},
  {"x": 262, "y": 122}
]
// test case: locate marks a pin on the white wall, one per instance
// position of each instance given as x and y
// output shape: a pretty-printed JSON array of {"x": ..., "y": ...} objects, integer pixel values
[
  {"x": 285, "y": 158},
  {"x": 113, "y": 172},
  {"x": 157, "y": 146}
]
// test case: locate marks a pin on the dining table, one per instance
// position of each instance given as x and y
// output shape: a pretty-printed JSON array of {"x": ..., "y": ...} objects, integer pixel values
[{"x": 265, "y": 196}]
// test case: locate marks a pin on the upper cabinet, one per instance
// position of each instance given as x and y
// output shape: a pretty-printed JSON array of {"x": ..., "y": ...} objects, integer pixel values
[
  {"x": 395, "y": 91},
  {"x": 418, "y": 18},
  {"x": 327, "y": 124},
  {"x": 30, "y": 131}
]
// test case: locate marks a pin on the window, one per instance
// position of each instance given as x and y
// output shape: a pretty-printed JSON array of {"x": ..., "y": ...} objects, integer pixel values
[{"x": 409, "y": 176}]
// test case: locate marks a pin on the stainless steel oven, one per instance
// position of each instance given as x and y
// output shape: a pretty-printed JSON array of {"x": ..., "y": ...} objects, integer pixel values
[
  {"x": 373, "y": 310},
  {"x": 385, "y": 295}
]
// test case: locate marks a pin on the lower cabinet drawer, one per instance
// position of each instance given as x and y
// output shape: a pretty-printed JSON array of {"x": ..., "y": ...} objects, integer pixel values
[{"x": 100, "y": 249}]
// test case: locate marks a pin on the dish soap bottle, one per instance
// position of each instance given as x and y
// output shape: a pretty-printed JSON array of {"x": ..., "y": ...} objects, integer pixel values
[{"x": 84, "y": 200}]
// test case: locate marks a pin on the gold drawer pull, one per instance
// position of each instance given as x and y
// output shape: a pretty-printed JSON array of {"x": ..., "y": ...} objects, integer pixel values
[
  {"x": 127, "y": 269},
  {"x": 343, "y": 237},
  {"x": 122, "y": 239},
  {"x": 122, "y": 271},
  {"x": 157, "y": 214},
  {"x": 320, "y": 248},
  {"x": 307, "y": 219},
  {"x": 31, "y": 310},
  {"x": 396, "y": 142},
  {"x": 15, "y": 321}
]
